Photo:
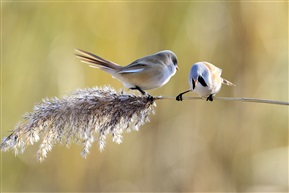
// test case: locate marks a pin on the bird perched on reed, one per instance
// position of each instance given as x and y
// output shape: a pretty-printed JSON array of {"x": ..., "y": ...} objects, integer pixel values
[
  {"x": 146, "y": 73},
  {"x": 205, "y": 79}
]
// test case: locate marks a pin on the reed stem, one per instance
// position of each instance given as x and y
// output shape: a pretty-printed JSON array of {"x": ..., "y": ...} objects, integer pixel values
[{"x": 242, "y": 99}]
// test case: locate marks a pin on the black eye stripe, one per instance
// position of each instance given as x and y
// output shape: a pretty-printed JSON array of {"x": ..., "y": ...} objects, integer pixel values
[
  {"x": 193, "y": 82},
  {"x": 202, "y": 81}
]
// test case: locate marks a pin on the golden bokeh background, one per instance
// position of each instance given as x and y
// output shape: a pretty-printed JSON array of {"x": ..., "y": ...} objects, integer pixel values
[{"x": 189, "y": 146}]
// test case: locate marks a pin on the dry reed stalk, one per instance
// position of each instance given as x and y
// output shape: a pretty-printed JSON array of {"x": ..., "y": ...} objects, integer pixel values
[{"x": 242, "y": 99}]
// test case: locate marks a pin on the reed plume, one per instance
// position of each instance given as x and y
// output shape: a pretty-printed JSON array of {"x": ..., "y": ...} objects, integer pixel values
[{"x": 84, "y": 116}]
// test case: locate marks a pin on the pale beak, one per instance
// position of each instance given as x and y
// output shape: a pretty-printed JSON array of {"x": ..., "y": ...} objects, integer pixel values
[{"x": 177, "y": 67}]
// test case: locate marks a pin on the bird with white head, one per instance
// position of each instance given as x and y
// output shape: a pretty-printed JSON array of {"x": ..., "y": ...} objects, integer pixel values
[{"x": 205, "y": 79}]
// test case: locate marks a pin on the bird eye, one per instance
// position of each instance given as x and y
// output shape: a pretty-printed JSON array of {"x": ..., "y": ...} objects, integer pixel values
[{"x": 175, "y": 61}]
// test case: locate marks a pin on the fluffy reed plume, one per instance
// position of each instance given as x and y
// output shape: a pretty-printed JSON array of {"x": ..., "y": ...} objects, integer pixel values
[{"x": 83, "y": 116}]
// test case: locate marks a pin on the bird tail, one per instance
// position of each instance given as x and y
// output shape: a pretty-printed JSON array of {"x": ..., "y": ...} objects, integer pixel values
[
  {"x": 96, "y": 61},
  {"x": 228, "y": 83}
]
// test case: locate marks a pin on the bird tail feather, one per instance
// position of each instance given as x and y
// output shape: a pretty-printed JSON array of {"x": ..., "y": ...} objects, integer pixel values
[
  {"x": 96, "y": 61},
  {"x": 228, "y": 83}
]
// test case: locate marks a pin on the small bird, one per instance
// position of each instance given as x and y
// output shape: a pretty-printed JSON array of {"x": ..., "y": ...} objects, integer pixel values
[
  {"x": 146, "y": 73},
  {"x": 205, "y": 79}
]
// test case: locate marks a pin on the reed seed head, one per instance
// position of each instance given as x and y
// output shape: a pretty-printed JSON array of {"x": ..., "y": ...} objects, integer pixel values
[{"x": 84, "y": 116}]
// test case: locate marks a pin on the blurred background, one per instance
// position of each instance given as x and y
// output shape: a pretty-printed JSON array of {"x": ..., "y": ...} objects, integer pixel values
[{"x": 189, "y": 146}]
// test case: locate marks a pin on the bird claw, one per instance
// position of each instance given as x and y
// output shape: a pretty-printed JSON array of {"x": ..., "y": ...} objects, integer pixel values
[
  {"x": 210, "y": 98},
  {"x": 179, "y": 97},
  {"x": 150, "y": 98}
]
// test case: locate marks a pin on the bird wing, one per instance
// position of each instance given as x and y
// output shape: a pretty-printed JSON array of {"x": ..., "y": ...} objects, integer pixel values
[
  {"x": 134, "y": 67},
  {"x": 213, "y": 69},
  {"x": 216, "y": 74},
  {"x": 226, "y": 82}
]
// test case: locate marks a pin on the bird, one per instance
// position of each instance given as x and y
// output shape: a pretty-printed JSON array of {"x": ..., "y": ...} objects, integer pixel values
[
  {"x": 146, "y": 73},
  {"x": 205, "y": 79}
]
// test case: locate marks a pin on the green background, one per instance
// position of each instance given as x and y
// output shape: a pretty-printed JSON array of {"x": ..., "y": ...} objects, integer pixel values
[{"x": 188, "y": 146}]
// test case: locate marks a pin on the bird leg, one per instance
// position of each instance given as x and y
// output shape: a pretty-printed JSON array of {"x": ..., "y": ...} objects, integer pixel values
[
  {"x": 210, "y": 98},
  {"x": 180, "y": 96},
  {"x": 140, "y": 90},
  {"x": 149, "y": 97}
]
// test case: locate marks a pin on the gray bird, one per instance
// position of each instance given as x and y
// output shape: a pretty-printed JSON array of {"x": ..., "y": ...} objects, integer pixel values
[{"x": 146, "y": 73}]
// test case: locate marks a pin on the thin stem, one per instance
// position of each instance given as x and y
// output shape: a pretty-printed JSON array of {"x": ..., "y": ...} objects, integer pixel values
[{"x": 242, "y": 99}]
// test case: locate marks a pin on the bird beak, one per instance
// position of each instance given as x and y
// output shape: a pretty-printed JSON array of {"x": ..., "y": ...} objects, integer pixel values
[
  {"x": 196, "y": 82},
  {"x": 177, "y": 67}
]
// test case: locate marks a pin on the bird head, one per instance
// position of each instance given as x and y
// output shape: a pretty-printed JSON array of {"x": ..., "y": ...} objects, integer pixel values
[
  {"x": 197, "y": 75},
  {"x": 171, "y": 59}
]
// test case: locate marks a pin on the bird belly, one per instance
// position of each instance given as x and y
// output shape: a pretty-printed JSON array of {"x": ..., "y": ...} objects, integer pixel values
[
  {"x": 207, "y": 91},
  {"x": 145, "y": 80},
  {"x": 202, "y": 91}
]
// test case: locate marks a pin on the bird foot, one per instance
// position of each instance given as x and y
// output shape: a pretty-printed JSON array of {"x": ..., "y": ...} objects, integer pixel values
[
  {"x": 179, "y": 97},
  {"x": 150, "y": 98},
  {"x": 210, "y": 98}
]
